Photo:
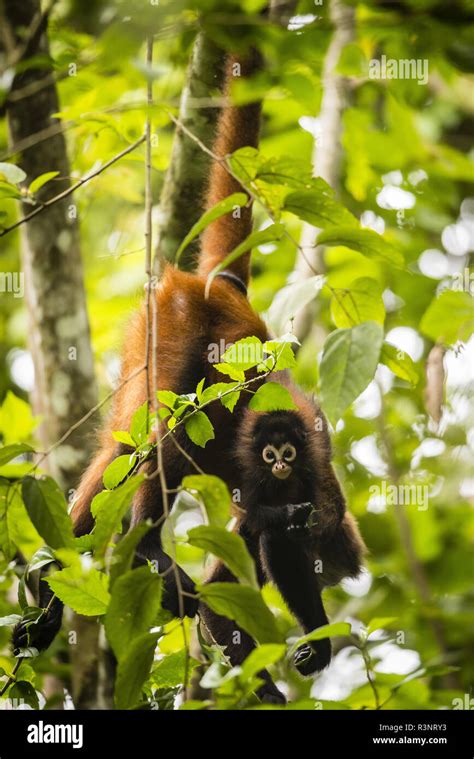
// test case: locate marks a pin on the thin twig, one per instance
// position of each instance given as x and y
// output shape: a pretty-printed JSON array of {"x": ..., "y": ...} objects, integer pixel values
[{"x": 73, "y": 187}]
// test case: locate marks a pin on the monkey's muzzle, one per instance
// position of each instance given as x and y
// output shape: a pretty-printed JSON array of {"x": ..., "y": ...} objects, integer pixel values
[{"x": 281, "y": 469}]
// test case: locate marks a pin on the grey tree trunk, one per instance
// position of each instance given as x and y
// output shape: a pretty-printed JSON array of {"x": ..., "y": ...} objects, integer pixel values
[
  {"x": 184, "y": 189},
  {"x": 59, "y": 337}
]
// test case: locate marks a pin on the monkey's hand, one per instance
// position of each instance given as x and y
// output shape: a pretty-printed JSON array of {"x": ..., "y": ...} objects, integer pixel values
[
  {"x": 189, "y": 606},
  {"x": 313, "y": 657},
  {"x": 38, "y": 634},
  {"x": 297, "y": 525}
]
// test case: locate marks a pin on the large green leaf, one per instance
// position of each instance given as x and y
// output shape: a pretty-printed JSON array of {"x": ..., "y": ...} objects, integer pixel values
[
  {"x": 361, "y": 302},
  {"x": 261, "y": 658},
  {"x": 291, "y": 299},
  {"x": 365, "y": 241},
  {"x": 271, "y": 396},
  {"x": 117, "y": 470},
  {"x": 227, "y": 546},
  {"x": 220, "y": 209},
  {"x": 349, "y": 361},
  {"x": 84, "y": 590},
  {"x": 199, "y": 428},
  {"x": 318, "y": 206},
  {"x": 399, "y": 362},
  {"x": 9, "y": 452},
  {"x": 245, "y": 606},
  {"x": 47, "y": 509},
  {"x": 135, "y": 602},
  {"x": 109, "y": 507},
  {"x": 173, "y": 670},
  {"x": 124, "y": 551},
  {"x": 449, "y": 317},
  {"x": 214, "y": 495},
  {"x": 133, "y": 669}
]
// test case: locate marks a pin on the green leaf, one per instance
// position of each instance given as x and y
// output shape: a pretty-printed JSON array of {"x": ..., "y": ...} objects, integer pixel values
[
  {"x": 118, "y": 470},
  {"x": 172, "y": 669},
  {"x": 140, "y": 427},
  {"x": 349, "y": 362},
  {"x": 85, "y": 591},
  {"x": 361, "y": 302},
  {"x": 10, "y": 620},
  {"x": 449, "y": 317},
  {"x": 227, "y": 546},
  {"x": 244, "y": 354},
  {"x": 290, "y": 300},
  {"x": 378, "y": 623},
  {"x": 399, "y": 362},
  {"x": 230, "y": 371},
  {"x": 109, "y": 507},
  {"x": 272, "y": 233},
  {"x": 41, "y": 558},
  {"x": 220, "y": 390},
  {"x": 261, "y": 658},
  {"x": 281, "y": 356},
  {"x": 326, "y": 631},
  {"x": 17, "y": 409},
  {"x": 365, "y": 241},
  {"x": 9, "y": 452},
  {"x": 124, "y": 551},
  {"x": 123, "y": 437},
  {"x": 220, "y": 209},
  {"x": 318, "y": 206},
  {"x": 135, "y": 602},
  {"x": 272, "y": 396},
  {"x": 24, "y": 693},
  {"x": 213, "y": 493},
  {"x": 245, "y": 606},
  {"x": 167, "y": 397},
  {"x": 9, "y": 191},
  {"x": 199, "y": 428},
  {"x": 47, "y": 509},
  {"x": 12, "y": 173},
  {"x": 41, "y": 180},
  {"x": 133, "y": 669}
]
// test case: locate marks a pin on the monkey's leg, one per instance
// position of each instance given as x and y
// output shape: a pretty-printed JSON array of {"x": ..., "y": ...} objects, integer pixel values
[
  {"x": 238, "y": 644},
  {"x": 289, "y": 564},
  {"x": 148, "y": 504}
]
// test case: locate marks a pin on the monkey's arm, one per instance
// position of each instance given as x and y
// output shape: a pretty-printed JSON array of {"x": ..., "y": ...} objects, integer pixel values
[{"x": 277, "y": 518}]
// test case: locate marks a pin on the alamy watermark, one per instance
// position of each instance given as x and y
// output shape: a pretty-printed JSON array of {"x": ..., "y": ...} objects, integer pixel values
[
  {"x": 401, "y": 495},
  {"x": 12, "y": 282},
  {"x": 402, "y": 68}
]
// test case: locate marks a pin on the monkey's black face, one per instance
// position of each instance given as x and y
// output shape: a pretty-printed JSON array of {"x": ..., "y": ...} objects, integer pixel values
[{"x": 279, "y": 444}]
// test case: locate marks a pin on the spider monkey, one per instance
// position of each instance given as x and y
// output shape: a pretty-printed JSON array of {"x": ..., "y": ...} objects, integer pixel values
[{"x": 295, "y": 476}]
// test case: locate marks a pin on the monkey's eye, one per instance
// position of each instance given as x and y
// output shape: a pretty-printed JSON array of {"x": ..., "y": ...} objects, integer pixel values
[
  {"x": 268, "y": 454},
  {"x": 289, "y": 454}
]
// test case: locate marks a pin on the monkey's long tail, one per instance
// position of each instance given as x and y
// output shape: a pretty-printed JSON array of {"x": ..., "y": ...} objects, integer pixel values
[{"x": 237, "y": 127}]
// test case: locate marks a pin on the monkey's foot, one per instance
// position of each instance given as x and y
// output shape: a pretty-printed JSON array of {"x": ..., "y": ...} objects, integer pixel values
[
  {"x": 309, "y": 659},
  {"x": 269, "y": 694},
  {"x": 40, "y": 634}
]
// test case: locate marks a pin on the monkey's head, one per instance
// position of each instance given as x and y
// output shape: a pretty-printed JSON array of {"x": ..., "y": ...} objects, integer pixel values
[{"x": 279, "y": 443}]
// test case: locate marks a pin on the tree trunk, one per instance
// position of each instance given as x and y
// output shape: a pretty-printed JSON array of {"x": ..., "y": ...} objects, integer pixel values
[
  {"x": 59, "y": 336},
  {"x": 65, "y": 387},
  {"x": 184, "y": 189}
]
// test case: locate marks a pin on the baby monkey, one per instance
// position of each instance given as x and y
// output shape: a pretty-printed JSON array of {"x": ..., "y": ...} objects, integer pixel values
[{"x": 294, "y": 522}]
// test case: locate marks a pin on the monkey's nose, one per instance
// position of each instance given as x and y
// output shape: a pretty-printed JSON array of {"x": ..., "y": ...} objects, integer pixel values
[{"x": 281, "y": 469}]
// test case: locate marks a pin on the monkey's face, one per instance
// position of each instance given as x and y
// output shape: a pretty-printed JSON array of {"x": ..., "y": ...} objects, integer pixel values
[{"x": 279, "y": 459}]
